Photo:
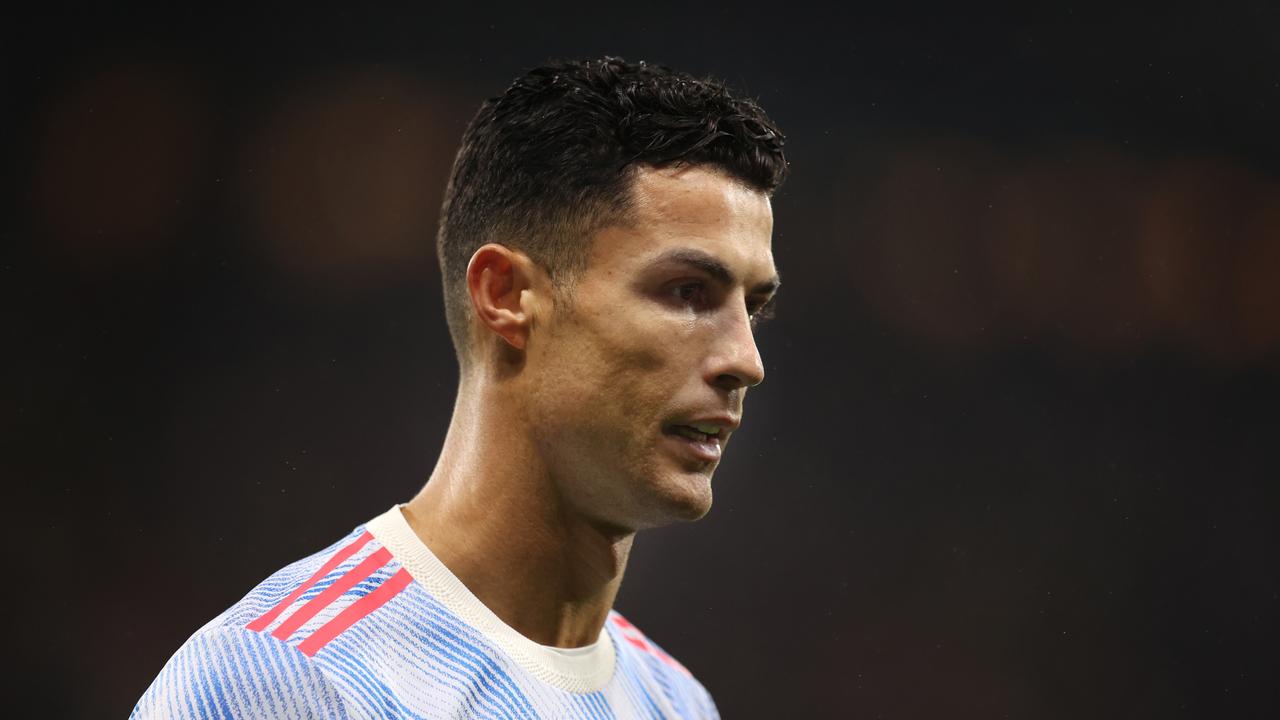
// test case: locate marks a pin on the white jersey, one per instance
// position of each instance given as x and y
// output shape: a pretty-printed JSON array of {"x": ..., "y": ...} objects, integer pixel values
[{"x": 375, "y": 626}]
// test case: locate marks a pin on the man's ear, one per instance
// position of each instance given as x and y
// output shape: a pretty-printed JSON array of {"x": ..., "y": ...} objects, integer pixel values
[{"x": 497, "y": 277}]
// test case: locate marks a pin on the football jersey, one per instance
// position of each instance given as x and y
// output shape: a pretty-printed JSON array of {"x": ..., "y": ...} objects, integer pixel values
[{"x": 375, "y": 626}]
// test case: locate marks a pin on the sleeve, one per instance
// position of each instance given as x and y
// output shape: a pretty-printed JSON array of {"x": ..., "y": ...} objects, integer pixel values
[
  {"x": 231, "y": 672},
  {"x": 706, "y": 706}
]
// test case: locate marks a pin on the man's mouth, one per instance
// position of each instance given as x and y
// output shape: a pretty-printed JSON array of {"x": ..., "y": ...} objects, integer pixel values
[
  {"x": 697, "y": 433},
  {"x": 703, "y": 442}
]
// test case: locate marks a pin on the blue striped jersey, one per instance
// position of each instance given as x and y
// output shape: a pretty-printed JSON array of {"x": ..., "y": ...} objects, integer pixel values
[{"x": 375, "y": 626}]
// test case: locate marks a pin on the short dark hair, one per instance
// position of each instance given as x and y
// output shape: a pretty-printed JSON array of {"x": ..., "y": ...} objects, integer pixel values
[{"x": 551, "y": 160}]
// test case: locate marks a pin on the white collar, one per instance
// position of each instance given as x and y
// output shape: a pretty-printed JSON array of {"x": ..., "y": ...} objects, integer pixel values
[{"x": 577, "y": 670}]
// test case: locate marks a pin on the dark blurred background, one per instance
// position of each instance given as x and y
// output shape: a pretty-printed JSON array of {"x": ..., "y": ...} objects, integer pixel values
[{"x": 1016, "y": 455}]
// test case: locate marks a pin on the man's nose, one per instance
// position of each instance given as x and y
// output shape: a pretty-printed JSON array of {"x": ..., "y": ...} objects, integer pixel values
[{"x": 737, "y": 362}]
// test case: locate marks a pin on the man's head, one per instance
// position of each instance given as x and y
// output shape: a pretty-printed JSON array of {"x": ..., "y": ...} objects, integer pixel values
[{"x": 605, "y": 249}]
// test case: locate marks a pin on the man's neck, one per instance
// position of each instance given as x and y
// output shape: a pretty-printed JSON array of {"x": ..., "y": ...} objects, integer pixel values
[{"x": 491, "y": 514}]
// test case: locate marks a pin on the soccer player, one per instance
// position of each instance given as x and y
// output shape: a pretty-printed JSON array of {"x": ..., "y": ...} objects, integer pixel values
[{"x": 605, "y": 253}]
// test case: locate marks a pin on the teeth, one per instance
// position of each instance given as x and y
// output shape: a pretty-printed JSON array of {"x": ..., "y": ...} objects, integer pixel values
[
  {"x": 688, "y": 432},
  {"x": 708, "y": 429}
]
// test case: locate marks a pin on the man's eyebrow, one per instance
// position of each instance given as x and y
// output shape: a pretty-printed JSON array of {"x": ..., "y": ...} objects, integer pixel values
[{"x": 712, "y": 266}]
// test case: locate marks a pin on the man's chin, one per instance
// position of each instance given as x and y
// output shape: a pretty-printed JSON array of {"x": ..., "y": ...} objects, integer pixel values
[
  {"x": 694, "y": 511},
  {"x": 684, "y": 498}
]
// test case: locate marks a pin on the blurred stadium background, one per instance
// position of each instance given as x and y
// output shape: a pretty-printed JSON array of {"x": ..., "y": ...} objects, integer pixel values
[{"x": 1017, "y": 455}]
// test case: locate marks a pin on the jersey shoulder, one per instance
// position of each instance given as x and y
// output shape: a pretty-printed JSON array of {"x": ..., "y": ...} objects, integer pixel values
[
  {"x": 227, "y": 671},
  {"x": 298, "y": 582},
  {"x": 255, "y": 659},
  {"x": 639, "y": 655}
]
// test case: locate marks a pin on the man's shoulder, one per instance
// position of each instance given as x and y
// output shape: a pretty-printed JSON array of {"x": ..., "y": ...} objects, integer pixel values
[
  {"x": 639, "y": 654},
  {"x": 309, "y": 603},
  {"x": 257, "y": 656},
  {"x": 302, "y": 581},
  {"x": 226, "y": 670}
]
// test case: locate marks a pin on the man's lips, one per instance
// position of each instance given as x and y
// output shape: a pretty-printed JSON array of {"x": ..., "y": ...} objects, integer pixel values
[
  {"x": 714, "y": 425},
  {"x": 703, "y": 437},
  {"x": 706, "y": 448}
]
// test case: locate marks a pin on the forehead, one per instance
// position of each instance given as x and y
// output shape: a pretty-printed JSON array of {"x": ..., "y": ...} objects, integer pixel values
[{"x": 692, "y": 207}]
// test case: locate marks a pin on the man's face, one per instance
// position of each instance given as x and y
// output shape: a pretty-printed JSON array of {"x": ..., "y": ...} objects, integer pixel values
[{"x": 658, "y": 341}]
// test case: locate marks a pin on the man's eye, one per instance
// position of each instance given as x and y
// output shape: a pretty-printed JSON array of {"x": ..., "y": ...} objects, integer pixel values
[
  {"x": 689, "y": 292},
  {"x": 763, "y": 312}
]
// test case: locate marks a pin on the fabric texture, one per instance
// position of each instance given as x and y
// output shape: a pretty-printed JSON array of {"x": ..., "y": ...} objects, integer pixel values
[{"x": 375, "y": 626}]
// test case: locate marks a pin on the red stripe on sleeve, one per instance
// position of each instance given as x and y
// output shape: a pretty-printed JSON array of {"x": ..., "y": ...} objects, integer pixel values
[
  {"x": 670, "y": 660},
  {"x": 268, "y": 617},
  {"x": 331, "y": 593},
  {"x": 632, "y": 634},
  {"x": 355, "y": 612},
  {"x": 637, "y": 641}
]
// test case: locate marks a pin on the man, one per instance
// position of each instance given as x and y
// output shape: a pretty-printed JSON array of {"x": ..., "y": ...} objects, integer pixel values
[{"x": 605, "y": 249}]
